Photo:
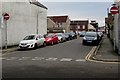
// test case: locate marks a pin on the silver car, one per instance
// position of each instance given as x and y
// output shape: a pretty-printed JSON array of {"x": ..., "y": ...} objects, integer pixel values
[{"x": 61, "y": 37}]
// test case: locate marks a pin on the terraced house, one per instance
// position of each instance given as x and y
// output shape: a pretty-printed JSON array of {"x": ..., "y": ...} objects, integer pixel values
[{"x": 79, "y": 25}]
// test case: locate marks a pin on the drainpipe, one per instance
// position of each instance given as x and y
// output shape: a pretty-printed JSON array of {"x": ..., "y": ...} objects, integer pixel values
[
  {"x": 37, "y": 23},
  {"x": 119, "y": 29}
]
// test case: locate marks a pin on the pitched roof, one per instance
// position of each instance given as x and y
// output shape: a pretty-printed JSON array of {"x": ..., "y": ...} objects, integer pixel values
[
  {"x": 58, "y": 19},
  {"x": 38, "y": 4}
]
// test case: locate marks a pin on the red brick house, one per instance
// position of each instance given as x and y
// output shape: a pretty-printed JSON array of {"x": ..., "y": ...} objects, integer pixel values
[{"x": 79, "y": 25}]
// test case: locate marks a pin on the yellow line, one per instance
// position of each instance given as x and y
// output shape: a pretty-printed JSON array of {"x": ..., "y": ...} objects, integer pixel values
[{"x": 90, "y": 54}]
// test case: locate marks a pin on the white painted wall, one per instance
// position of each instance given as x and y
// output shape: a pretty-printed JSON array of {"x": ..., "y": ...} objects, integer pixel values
[
  {"x": 116, "y": 29},
  {"x": 66, "y": 25},
  {"x": 0, "y": 42},
  {"x": 23, "y": 20},
  {"x": 0, "y": 24}
]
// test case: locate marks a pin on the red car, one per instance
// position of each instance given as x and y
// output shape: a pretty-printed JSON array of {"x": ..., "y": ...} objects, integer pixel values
[{"x": 51, "y": 39}]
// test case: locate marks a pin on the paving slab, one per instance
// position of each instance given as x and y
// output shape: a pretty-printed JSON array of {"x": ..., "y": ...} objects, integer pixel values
[{"x": 106, "y": 51}]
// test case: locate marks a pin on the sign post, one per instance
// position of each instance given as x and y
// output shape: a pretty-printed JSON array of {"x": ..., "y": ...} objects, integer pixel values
[
  {"x": 119, "y": 31},
  {"x": 6, "y": 17}
]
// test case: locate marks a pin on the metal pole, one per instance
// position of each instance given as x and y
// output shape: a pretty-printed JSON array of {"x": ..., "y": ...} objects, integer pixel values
[
  {"x": 119, "y": 29},
  {"x": 5, "y": 34}
]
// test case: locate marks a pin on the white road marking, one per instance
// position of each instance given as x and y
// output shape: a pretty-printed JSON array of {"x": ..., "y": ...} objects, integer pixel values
[
  {"x": 41, "y": 58},
  {"x": 24, "y": 58},
  {"x": 79, "y": 60},
  {"x": 51, "y": 59},
  {"x": 38, "y": 58},
  {"x": 12, "y": 58},
  {"x": 66, "y": 59}
]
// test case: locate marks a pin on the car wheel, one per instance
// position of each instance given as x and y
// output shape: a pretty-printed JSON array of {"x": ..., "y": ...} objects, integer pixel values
[
  {"x": 35, "y": 46},
  {"x": 83, "y": 43},
  {"x": 57, "y": 41},
  {"x": 44, "y": 44},
  {"x": 52, "y": 43},
  {"x": 61, "y": 40}
]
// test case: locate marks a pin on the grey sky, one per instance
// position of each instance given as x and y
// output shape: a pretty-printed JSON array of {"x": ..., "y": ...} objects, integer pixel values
[{"x": 80, "y": 10}]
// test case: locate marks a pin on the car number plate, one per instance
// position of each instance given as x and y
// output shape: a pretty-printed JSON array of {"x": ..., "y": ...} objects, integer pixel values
[
  {"x": 23, "y": 45},
  {"x": 89, "y": 41}
]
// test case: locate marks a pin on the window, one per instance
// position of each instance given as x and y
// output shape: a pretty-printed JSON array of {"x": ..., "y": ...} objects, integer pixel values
[
  {"x": 83, "y": 26},
  {"x": 78, "y": 27}
]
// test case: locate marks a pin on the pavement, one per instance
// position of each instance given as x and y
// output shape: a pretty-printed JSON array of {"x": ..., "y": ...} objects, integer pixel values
[
  {"x": 104, "y": 51},
  {"x": 9, "y": 49}
]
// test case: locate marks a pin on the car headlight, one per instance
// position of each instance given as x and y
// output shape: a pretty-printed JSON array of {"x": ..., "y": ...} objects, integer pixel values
[
  {"x": 84, "y": 38},
  {"x": 95, "y": 38}
]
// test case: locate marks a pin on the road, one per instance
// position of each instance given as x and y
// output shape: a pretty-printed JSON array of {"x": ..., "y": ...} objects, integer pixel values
[{"x": 64, "y": 60}]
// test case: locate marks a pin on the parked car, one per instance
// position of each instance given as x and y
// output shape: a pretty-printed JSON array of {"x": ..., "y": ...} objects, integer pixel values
[
  {"x": 81, "y": 34},
  {"x": 32, "y": 41},
  {"x": 51, "y": 39},
  {"x": 70, "y": 35},
  {"x": 91, "y": 37},
  {"x": 61, "y": 37},
  {"x": 74, "y": 36},
  {"x": 66, "y": 36}
]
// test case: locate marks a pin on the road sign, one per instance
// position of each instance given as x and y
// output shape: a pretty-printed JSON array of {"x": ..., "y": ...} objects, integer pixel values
[
  {"x": 6, "y": 16},
  {"x": 114, "y": 10}
]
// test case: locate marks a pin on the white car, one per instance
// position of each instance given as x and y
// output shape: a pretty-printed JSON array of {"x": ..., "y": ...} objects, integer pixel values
[
  {"x": 61, "y": 37},
  {"x": 32, "y": 41}
]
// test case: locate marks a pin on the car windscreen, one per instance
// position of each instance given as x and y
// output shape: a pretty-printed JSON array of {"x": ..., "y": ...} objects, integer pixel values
[
  {"x": 66, "y": 34},
  {"x": 58, "y": 34},
  {"x": 82, "y": 33},
  {"x": 90, "y": 35},
  {"x": 48, "y": 36},
  {"x": 30, "y": 37}
]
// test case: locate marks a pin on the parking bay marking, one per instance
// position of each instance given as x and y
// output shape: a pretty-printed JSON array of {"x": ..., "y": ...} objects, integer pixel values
[
  {"x": 42, "y": 58},
  {"x": 66, "y": 59},
  {"x": 38, "y": 58},
  {"x": 24, "y": 58},
  {"x": 51, "y": 59},
  {"x": 80, "y": 60}
]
